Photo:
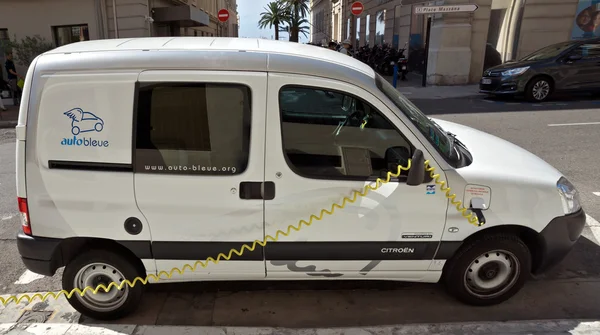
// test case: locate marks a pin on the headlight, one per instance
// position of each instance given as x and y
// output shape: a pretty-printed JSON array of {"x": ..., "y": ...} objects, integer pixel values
[
  {"x": 515, "y": 72},
  {"x": 568, "y": 195}
]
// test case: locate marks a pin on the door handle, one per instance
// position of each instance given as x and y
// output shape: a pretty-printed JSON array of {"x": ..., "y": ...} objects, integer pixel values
[{"x": 254, "y": 190}]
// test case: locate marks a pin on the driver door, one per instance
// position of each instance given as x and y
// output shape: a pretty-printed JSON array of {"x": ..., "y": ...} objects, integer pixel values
[{"x": 326, "y": 139}]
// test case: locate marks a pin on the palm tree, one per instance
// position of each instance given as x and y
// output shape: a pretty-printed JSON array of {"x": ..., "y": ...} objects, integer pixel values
[
  {"x": 297, "y": 11},
  {"x": 274, "y": 15},
  {"x": 298, "y": 25}
]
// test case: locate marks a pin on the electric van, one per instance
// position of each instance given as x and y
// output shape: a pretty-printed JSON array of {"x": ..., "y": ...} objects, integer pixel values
[{"x": 194, "y": 146}]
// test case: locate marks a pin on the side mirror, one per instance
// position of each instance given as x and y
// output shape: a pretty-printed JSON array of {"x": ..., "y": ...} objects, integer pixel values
[{"x": 416, "y": 174}]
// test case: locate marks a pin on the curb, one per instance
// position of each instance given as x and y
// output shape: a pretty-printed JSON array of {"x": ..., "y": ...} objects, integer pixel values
[{"x": 574, "y": 327}]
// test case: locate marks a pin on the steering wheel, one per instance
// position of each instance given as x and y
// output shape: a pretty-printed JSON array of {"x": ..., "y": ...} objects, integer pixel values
[{"x": 352, "y": 119}]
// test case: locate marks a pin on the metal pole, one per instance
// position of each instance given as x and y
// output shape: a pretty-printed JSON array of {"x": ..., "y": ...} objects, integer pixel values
[
  {"x": 426, "y": 58},
  {"x": 115, "y": 18}
]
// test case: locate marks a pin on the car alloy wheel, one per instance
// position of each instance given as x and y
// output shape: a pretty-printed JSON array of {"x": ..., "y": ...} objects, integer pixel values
[{"x": 541, "y": 90}]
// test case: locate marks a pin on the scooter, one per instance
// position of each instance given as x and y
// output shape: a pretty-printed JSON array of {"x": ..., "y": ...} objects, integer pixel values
[{"x": 403, "y": 63}]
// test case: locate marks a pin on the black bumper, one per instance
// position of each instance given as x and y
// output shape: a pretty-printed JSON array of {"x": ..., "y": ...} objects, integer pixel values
[
  {"x": 558, "y": 238},
  {"x": 500, "y": 85},
  {"x": 38, "y": 254}
]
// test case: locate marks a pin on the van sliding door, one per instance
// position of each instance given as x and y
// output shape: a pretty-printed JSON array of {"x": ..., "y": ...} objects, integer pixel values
[{"x": 199, "y": 169}]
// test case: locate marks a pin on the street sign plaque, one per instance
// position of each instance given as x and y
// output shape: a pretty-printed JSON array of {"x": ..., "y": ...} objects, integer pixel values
[{"x": 446, "y": 9}]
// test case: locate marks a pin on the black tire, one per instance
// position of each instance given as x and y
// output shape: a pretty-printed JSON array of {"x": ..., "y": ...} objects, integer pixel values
[
  {"x": 124, "y": 265},
  {"x": 492, "y": 248},
  {"x": 543, "y": 83}
]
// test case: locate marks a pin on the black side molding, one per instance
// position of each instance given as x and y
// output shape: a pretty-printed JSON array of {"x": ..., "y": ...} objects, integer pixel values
[{"x": 90, "y": 166}]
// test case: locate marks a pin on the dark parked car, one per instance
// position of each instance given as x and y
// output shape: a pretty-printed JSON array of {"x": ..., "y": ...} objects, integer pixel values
[{"x": 568, "y": 66}]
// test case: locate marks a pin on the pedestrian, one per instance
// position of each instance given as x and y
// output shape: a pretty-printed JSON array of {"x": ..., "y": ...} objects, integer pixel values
[
  {"x": 2, "y": 102},
  {"x": 3, "y": 85},
  {"x": 13, "y": 78},
  {"x": 345, "y": 49},
  {"x": 332, "y": 46}
]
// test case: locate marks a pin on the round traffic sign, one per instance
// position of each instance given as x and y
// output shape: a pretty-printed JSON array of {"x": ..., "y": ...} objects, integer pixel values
[
  {"x": 357, "y": 8},
  {"x": 223, "y": 15}
]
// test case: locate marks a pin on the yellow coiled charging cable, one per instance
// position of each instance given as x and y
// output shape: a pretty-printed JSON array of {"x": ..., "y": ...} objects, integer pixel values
[{"x": 436, "y": 177}]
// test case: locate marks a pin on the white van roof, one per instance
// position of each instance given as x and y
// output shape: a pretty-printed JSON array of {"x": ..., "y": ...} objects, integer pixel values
[{"x": 207, "y": 53}]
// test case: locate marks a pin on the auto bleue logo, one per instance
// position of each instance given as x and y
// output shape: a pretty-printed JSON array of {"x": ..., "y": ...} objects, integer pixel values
[{"x": 84, "y": 122}]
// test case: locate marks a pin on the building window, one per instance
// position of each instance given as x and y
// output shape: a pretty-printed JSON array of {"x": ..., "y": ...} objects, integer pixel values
[
  {"x": 70, "y": 34},
  {"x": 193, "y": 128},
  {"x": 334, "y": 135}
]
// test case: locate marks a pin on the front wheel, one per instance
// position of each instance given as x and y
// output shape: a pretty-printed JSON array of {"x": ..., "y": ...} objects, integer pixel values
[
  {"x": 489, "y": 270},
  {"x": 96, "y": 267},
  {"x": 538, "y": 90}
]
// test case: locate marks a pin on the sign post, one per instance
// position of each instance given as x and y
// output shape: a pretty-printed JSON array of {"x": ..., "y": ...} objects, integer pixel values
[
  {"x": 356, "y": 8},
  {"x": 223, "y": 15},
  {"x": 468, "y": 8}
]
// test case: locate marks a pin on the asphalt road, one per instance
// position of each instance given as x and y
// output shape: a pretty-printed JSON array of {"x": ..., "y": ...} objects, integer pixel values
[{"x": 569, "y": 291}]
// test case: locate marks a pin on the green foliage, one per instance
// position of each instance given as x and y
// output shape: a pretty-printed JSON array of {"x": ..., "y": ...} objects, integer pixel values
[
  {"x": 291, "y": 14},
  {"x": 274, "y": 15},
  {"x": 25, "y": 50}
]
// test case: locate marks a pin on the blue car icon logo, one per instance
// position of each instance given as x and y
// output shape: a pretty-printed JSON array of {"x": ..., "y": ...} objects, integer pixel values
[{"x": 84, "y": 121}]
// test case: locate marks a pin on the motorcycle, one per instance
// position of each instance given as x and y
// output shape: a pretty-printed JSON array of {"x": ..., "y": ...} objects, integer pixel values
[{"x": 403, "y": 63}]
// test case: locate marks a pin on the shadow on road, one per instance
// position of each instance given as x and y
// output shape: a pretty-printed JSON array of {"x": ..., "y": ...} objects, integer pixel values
[
  {"x": 571, "y": 290},
  {"x": 483, "y": 104}
]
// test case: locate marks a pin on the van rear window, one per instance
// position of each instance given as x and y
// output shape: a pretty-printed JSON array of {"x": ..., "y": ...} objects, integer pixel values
[{"x": 192, "y": 128}]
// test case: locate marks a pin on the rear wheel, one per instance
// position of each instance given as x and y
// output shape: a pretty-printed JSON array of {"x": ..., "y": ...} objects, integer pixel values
[
  {"x": 96, "y": 267},
  {"x": 489, "y": 270}
]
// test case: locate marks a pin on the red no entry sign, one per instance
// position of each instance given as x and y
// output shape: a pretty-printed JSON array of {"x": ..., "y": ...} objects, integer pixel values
[
  {"x": 357, "y": 8},
  {"x": 223, "y": 15}
]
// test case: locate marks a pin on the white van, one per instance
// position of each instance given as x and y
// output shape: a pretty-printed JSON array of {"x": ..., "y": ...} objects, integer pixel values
[{"x": 136, "y": 156}]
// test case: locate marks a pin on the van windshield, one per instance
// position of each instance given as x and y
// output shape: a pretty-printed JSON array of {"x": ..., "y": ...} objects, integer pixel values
[{"x": 437, "y": 136}]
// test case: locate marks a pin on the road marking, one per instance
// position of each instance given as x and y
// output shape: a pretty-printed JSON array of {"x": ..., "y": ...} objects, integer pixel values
[
  {"x": 594, "y": 227},
  {"x": 596, "y": 193},
  {"x": 28, "y": 277},
  {"x": 573, "y": 124},
  {"x": 7, "y": 217}
]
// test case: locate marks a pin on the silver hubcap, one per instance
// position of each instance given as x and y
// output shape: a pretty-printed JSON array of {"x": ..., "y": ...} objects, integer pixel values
[
  {"x": 541, "y": 89},
  {"x": 492, "y": 274},
  {"x": 99, "y": 273}
]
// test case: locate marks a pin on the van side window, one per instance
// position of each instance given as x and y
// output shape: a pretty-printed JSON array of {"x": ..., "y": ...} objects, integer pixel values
[
  {"x": 333, "y": 135},
  {"x": 193, "y": 128}
]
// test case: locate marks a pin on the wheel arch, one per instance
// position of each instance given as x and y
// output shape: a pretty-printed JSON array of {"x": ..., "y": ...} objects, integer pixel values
[
  {"x": 551, "y": 81},
  {"x": 69, "y": 248},
  {"x": 530, "y": 237}
]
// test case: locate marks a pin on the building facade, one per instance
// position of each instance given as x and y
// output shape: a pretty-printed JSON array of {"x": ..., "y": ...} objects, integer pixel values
[
  {"x": 321, "y": 11},
  {"x": 66, "y": 21},
  {"x": 462, "y": 45}
]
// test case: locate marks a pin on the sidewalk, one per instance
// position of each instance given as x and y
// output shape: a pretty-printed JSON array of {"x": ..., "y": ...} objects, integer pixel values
[
  {"x": 290, "y": 308},
  {"x": 554, "y": 327},
  {"x": 8, "y": 118},
  {"x": 413, "y": 89}
]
